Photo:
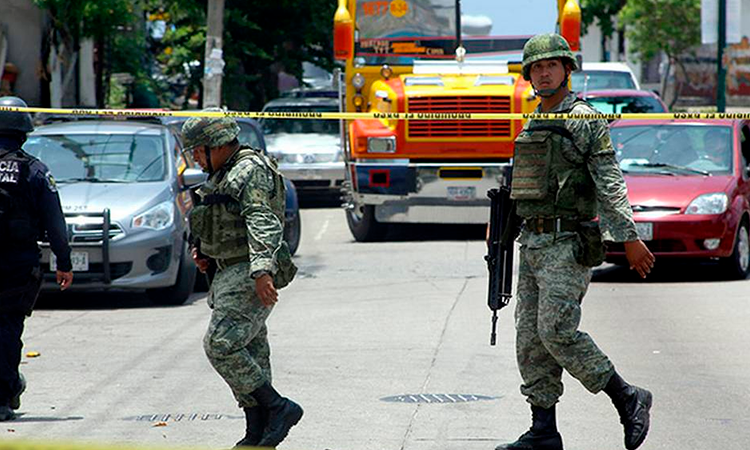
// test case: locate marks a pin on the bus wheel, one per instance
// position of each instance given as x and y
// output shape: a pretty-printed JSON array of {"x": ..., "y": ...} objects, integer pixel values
[{"x": 364, "y": 226}]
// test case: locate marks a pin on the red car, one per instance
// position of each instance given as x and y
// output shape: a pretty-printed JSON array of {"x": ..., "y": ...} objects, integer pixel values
[
  {"x": 615, "y": 101},
  {"x": 689, "y": 185}
]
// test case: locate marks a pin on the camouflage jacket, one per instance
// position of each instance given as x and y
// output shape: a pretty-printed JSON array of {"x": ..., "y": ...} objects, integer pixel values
[
  {"x": 254, "y": 218},
  {"x": 593, "y": 139}
]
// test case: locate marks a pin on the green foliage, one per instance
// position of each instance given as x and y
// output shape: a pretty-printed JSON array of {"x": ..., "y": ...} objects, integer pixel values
[
  {"x": 98, "y": 19},
  {"x": 669, "y": 26},
  {"x": 261, "y": 38},
  {"x": 602, "y": 11}
]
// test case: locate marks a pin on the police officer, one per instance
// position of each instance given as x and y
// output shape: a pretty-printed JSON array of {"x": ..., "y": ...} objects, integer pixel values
[
  {"x": 29, "y": 207},
  {"x": 239, "y": 225},
  {"x": 564, "y": 175}
]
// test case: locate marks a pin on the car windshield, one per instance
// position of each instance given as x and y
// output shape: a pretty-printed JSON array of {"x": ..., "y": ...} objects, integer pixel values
[
  {"x": 100, "y": 157},
  {"x": 300, "y": 126},
  {"x": 588, "y": 80},
  {"x": 248, "y": 136},
  {"x": 617, "y": 105},
  {"x": 674, "y": 149}
]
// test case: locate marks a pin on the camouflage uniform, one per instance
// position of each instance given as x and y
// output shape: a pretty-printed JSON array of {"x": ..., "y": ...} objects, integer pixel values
[
  {"x": 240, "y": 224},
  {"x": 551, "y": 281}
]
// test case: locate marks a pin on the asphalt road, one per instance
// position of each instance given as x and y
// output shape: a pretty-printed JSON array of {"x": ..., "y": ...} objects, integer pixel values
[{"x": 386, "y": 346}]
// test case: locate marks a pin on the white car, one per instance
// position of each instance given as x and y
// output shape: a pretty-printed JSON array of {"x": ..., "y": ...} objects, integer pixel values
[
  {"x": 604, "y": 75},
  {"x": 308, "y": 151}
]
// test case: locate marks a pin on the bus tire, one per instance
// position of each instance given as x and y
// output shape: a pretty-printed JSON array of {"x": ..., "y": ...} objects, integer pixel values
[{"x": 364, "y": 226}]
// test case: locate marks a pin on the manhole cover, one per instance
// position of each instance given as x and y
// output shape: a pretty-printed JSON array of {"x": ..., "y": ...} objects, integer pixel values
[
  {"x": 437, "y": 398},
  {"x": 186, "y": 417}
]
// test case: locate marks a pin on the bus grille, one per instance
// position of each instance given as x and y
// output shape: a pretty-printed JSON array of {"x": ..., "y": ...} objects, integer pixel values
[{"x": 459, "y": 128}]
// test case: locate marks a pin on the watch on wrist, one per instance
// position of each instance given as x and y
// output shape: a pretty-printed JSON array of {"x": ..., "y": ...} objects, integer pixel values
[{"x": 257, "y": 274}]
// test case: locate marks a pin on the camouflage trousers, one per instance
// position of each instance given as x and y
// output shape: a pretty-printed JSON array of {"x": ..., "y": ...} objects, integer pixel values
[
  {"x": 551, "y": 286},
  {"x": 236, "y": 342}
]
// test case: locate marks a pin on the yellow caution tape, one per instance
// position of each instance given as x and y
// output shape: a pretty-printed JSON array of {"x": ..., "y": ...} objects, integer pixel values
[{"x": 379, "y": 115}]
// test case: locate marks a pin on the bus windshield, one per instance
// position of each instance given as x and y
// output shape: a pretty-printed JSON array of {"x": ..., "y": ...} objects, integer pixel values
[{"x": 399, "y": 31}]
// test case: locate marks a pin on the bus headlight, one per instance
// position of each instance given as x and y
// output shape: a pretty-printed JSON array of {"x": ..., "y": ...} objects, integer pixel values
[{"x": 381, "y": 144}]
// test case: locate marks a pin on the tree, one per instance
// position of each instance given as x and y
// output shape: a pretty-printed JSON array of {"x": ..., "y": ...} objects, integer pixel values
[
  {"x": 261, "y": 39},
  {"x": 109, "y": 23},
  {"x": 602, "y": 11},
  {"x": 669, "y": 26}
]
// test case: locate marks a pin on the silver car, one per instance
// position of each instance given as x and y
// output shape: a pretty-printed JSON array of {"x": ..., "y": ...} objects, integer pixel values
[
  {"x": 308, "y": 151},
  {"x": 124, "y": 188}
]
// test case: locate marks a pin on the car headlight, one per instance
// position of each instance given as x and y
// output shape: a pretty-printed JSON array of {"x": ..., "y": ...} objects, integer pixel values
[
  {"x": 278, "y": 156},
  {"x": 381, "y": 144},
  {"x": 159, "y": 217},
  {"x": 709, "y": 204}
]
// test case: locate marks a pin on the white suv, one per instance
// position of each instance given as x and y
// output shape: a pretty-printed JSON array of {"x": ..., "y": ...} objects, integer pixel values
[{"x": 603, "y": 75}]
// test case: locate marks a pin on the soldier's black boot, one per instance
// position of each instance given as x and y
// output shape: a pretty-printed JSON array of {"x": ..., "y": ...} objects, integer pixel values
[
  {"x": 6, "y": 413},
  {"x": 543, "y": 434},
  {"x": 283, "y": 414},
  {"x": 255, "y": 424},
  {"x": 15, "y": 402},
  {"x": 634, "y": 406}
]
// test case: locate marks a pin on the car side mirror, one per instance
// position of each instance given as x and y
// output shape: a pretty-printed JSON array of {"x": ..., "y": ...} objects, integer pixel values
[{"x": 193, "y": 177}]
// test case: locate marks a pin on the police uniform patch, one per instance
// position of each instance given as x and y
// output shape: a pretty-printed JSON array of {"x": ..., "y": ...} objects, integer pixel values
[{"x": 51, "y": 184}]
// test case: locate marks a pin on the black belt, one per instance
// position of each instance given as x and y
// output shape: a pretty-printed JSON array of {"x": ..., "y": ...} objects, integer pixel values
[
  {"x": 224, "y": 263},
  {"x": 540, "y": 225}
]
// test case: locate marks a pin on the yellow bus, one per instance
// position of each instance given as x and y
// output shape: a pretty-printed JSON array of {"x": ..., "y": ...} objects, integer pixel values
[{"x": 438, "y": 57}]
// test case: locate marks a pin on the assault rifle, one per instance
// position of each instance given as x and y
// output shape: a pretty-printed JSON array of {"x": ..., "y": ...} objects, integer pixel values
[{"x": 504, "y": 227}]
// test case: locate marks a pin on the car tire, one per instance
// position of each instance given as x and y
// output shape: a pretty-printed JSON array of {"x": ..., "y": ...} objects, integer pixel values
[
  {"x": 293, "y": 233},
  {"x": 183, "y": 287},
  {"x": 738, "y": 264},
  {"x": 364, "y": 226}
]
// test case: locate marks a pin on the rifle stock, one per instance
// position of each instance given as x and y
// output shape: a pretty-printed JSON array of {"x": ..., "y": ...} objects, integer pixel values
[{"x": 503, "y": 231}]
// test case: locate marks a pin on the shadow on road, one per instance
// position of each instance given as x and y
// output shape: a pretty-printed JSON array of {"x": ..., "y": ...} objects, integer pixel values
[
  {"x": 664, "y": 272},
  {"x": 432, "y": 232},
  {"x": 101, "y": 300},
  {"x": 22, "y": 417},
  {"x": 318, "y": 201}
]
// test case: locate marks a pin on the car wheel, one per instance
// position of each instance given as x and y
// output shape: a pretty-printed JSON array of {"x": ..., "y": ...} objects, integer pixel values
[
  {"x": 183, "y": 287},
  {"x": 364, "y": 226},
  {"x": 738, "y": 264},
  {"x": 293, "y": 233}
]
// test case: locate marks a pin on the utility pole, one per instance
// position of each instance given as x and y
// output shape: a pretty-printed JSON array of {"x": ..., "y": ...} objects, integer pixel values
[
  {"x": 214, "y": 61},
  {"x": 721, "y": 73}
]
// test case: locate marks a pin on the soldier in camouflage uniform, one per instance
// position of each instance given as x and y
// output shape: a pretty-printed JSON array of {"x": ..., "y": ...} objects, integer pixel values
[
  {"x": 239, "y": 224},
  {"x": 564, "y": 175}
]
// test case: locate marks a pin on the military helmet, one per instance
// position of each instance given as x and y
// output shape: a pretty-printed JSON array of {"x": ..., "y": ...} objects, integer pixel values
[
  {"x": 209, "y": 131},
  {"x": 546, "y": 46},
  {"x": 14, "y": 122}
]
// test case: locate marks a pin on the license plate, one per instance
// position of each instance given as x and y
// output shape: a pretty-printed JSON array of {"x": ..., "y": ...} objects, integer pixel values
[
  {"x": 80, "y": 261},
  {"x": 460, "y": 193},
  {"x": 645, "y": 230}
]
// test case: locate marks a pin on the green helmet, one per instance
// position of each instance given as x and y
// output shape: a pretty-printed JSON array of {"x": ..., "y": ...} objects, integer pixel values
[
  {"x": 209, "y": 131},
  {"x": 546, "y": 46}
]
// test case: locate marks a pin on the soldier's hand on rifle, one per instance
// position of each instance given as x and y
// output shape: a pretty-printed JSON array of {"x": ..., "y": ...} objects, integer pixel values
[
  {"x": 639, "y": 257},
  {"x": 266, "y": 290},
  {"x": 200, "y": 260}
]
